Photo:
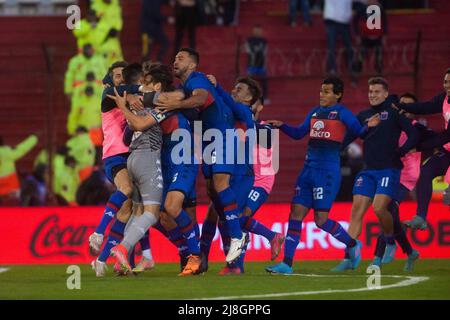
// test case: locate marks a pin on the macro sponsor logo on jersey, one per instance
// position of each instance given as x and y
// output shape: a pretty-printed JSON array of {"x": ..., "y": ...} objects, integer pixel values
[
  {"x": 317, "y": 130},
  {"x": 53, "y": 238}
]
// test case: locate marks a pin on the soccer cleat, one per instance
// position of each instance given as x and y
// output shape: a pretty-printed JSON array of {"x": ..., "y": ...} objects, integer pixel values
[
  {"x": 417, "y": 223},
  {"x": 192, "y": 266},
  {"x": 121, "y": 254},
  {"x": 355, "y": 254},
  {"x": 389, "y": 253},
  {"x": 409, "y": 265},
  {"x": 345, "y": 264},
  {"x": 95, "y": 243},
  {"x": 376, "y": 262},
  {"x": 144, "y": 264},
  {"x": 275, "y": 245},
  {"x": 99, "y": 268},
  {"x": 227, "y": 271},
  {"x": 183, "y": 262},
  {"x": 236, "y": 246},
  {"x": 204, "y": 264},
  {"x": 281, "y": 268}
]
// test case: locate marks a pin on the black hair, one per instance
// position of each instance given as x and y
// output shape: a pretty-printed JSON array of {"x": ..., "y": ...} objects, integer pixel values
[
  {"x": 90, "y": 76},
  {"x": 160, "y": 73},
  {"x": 117, "y": 64},
  {"x": 132, "y": 73},
  {"x": 253, "y": 87},
  {"x": 338, "y": 85},
  {"x": 192, "y": 53},
  {"x": 89, "y": 90},
  {"x": 81, "y": 129},
  {"x": 409, "y": 95},
  {"x": 448, "y": 71}
]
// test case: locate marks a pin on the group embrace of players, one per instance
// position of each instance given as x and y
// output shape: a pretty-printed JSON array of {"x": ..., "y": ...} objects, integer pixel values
[{"x": 144, "y": 115}]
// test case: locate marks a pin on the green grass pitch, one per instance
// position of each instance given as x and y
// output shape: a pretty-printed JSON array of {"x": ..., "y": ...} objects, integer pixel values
[{"x": 312, "y": 280}]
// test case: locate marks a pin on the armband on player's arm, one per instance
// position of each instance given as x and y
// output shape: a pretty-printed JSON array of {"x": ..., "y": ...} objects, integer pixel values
[{"x": 159, "y": 116}]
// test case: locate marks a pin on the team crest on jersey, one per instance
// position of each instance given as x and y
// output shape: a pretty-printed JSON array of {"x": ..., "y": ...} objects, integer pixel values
[
  {"x": 384, "y": 115},
  {"x": 332, "y": 115},
  {"x": 359, "y": 182}
]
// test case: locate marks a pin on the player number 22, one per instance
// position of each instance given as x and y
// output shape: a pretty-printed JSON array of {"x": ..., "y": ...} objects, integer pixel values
[{"x": 318, "y": 193}]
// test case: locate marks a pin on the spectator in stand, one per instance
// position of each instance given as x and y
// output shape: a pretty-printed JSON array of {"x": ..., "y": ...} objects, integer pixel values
[
  {"x": 367, "y": 39},
  {"x": 95, "y": 190},
  {"x": 110, "y": 48},
  {"x": 34, "y": 189},
  {"x": 152, "y": 30},
  {"x": 82, "y": 150},
  {"x": 294, "y": 5},
  {"x": 337, "y": 16},
  {"x": 186, "y": 17},
  {"x": 256, "y": 48},
  {"x": 227, "y": 10},
  {"x": 66, "y": 182},
  {"x": 9, "y": 180}
]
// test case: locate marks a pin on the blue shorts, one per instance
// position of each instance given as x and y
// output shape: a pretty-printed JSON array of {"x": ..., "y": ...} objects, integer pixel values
[
  {"x": 215, "y": 163},
  {"x": 371, "y": 182},
  {"x": 181, "y": 178},
  {"x": 114, "y": 164},
  {"x": 256, "y": 198},
  {"x": 317, "y": 188},
  {"x": 241, "y": 185}
]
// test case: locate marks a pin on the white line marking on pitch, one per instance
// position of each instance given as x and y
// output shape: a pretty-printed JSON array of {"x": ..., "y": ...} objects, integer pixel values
[
  {"x": 404, "y": 283},
  {"x": 3, "y": 269}
]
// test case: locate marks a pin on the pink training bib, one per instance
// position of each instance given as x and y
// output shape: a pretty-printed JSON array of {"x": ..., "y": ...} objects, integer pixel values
[
  {"x": 113, "y": 126},
  {"x": 411, "y": 165},
  {"x": 262, "y": 167},
  {"x": 446, "y": 114}
]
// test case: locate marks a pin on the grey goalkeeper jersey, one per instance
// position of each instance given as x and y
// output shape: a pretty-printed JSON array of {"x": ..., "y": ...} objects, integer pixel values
[{"x": 150, "y": 138}]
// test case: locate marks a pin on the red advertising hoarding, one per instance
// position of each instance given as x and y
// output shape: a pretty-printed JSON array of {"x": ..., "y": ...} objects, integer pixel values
[{"x": 60, "y": 235}]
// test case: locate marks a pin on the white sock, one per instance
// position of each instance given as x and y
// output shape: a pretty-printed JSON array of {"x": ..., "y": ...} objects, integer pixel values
[
  {"x": 138, "y": 228},
  {"x": 147, "y": 254}
]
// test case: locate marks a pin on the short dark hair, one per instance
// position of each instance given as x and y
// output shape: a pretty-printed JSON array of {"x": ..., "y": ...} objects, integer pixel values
[
  {"x": 409, "y": 95},
  {"x": 192, "y": 53},
  {"x": 117, "y": 64},
  {"x": 81, "y": 129},
  {"x": 338, "y": 85},
  {"x": 160, "y": 73},
  {"x": 132, "y": 73},
  {"x": 448, "y": 71},
  {"x": 253, "y": 87},
  {"x": 379, "y": 80}
]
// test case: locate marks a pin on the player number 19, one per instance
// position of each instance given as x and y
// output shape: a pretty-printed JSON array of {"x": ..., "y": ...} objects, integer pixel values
[{"x": 254, "y": 195}]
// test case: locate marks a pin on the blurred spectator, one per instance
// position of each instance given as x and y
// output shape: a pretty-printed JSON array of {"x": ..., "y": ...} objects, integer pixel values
[
  {"x": 85, "y": 112},
  {"x": 111, "y": 48},
  {"x": 186, "y": 17},
  {"x": 256, "y": 48},
  {"x": 82, "y": 150},
  {"x": 84, "y": 67},
  {"x": 86, "y": 33},
  {"x": 109, "y": 11},
  {"x": 66, "y": 182},
  {"x": 9, "y": 181},
  {"x": 95, "y": 190},
  {"x": 337, "y": 16},
  {"x": 369, "y": 38},
  {"x": 227, "y": 10},
  {"x": 152, "y": 29},
  {"x": 34, "y": 191},
  {"x": 294, "y": 6}
]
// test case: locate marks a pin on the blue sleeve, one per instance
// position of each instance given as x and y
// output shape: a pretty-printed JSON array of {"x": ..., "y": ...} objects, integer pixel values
[
  {"x": 350, "y": 136},
  {"x": 411, "y": 132},
  {"x": 127, "y": 136},
  {"x": 298, "y": 132},
  {"x": 353, "y": 125},
  {"x": 200, "y": 82},
  {"x": 226, "y": 97}
]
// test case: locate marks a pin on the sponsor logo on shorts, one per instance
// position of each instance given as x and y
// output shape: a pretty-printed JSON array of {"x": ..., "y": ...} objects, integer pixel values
[{"x": 359, "y": 181}]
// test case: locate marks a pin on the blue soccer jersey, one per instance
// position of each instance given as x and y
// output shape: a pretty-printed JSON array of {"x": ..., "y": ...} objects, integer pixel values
[{"x": 319, "y": 181}]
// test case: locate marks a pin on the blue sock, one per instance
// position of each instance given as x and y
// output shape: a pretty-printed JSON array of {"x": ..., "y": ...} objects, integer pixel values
[
  {"x": 292, "y": 240},
  {"x": 389, "y": 239},
  {"x": 158, "y": 226},
  {"x": 113, "y": 205},
  {"x": 114, "y": 238},
  {"x": 186, "y": 226},
  {"x": 231, "y": 212},
  {"x": 145, "y": 242},
  {"x": 336, "y": 230},
  {"x": 256, "y": 227},
  {"x": 208, "y": 233},
  {"x": 224, "y": 234},
  {"x": 176, "y": 237}
]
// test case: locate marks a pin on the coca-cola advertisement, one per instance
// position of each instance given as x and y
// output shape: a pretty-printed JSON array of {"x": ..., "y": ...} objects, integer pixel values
[{"x": 60, "y": 235}]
